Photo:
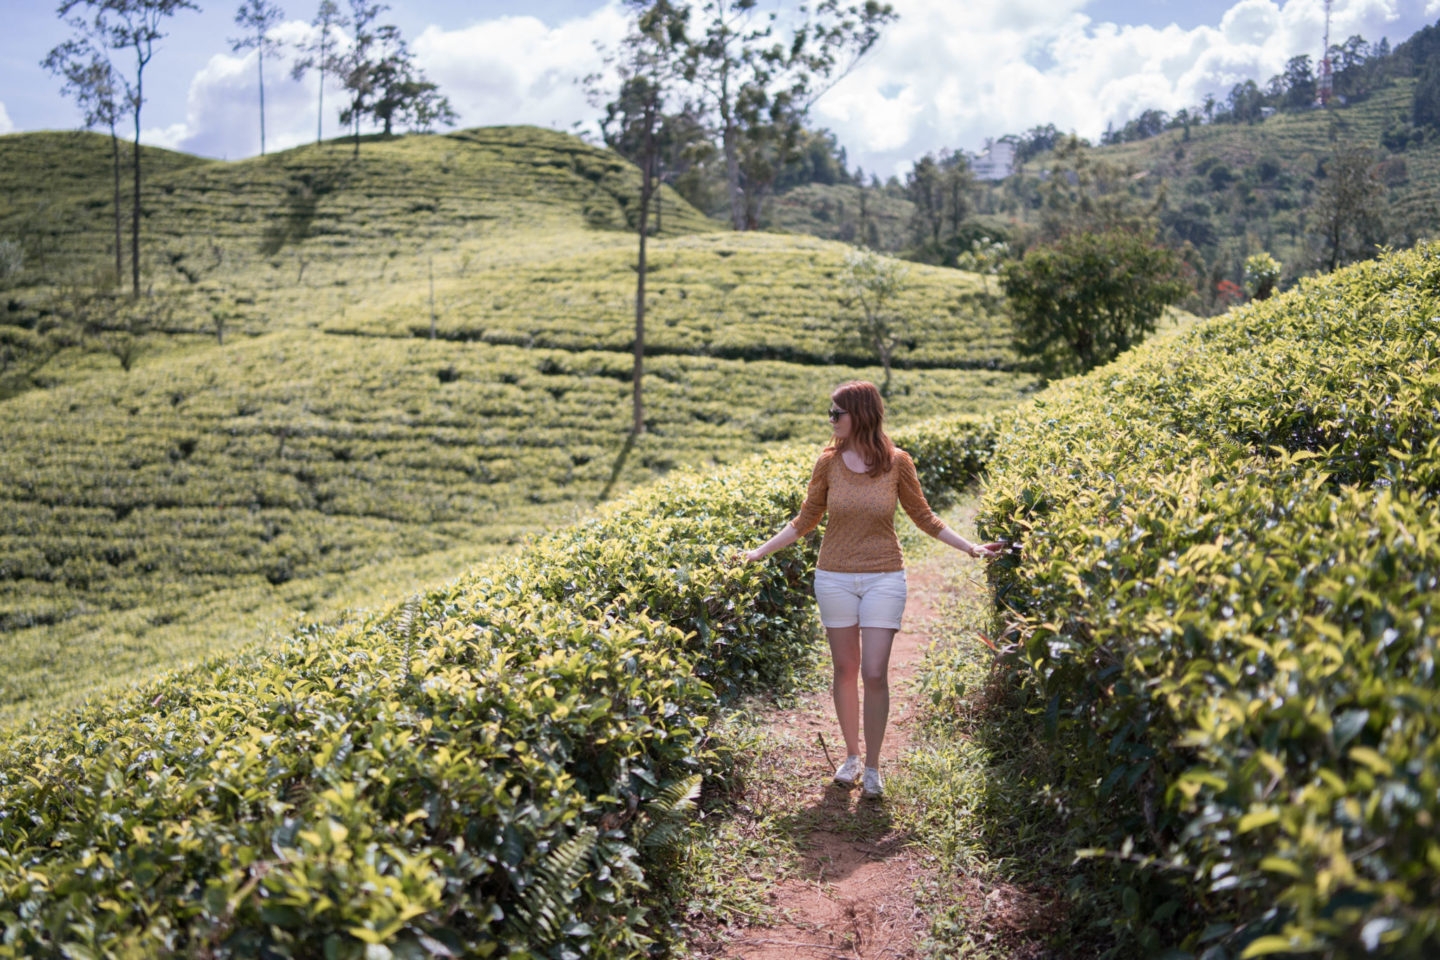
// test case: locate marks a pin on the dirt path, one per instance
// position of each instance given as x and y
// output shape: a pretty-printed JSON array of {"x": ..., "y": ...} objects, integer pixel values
[{"x": 852, "y": 894}]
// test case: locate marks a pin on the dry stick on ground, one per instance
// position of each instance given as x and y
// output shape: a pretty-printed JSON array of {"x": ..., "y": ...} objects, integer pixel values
[{"x": 826, "y": 749}]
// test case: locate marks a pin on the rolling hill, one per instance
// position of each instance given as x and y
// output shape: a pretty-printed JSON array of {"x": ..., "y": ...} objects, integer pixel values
[{"x": 330, "y": 452}]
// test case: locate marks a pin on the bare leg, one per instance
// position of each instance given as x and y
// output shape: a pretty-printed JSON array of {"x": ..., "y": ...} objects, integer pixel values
[
  {"x": 875, "y": 668},
  {"x": 845, "y": 655}
]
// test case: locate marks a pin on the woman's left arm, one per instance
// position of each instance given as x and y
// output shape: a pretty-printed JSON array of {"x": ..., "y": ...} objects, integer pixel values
[{"x": 912, "y": 498}]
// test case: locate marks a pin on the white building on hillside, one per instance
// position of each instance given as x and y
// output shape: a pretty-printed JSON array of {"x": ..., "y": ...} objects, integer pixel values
[{"x": 996, "y": 161}]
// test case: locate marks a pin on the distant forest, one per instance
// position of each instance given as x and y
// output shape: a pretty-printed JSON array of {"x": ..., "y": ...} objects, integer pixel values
[{"x": 1234, "y": 176}]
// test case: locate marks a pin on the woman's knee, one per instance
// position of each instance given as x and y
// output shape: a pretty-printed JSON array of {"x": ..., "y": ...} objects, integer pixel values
[{"x": 876, "y": 678}]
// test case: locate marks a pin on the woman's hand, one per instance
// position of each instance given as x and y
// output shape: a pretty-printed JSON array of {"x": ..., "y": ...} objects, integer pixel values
[
  {"x": 754, "y": 556},
  {"x": 987, "y": 551}
]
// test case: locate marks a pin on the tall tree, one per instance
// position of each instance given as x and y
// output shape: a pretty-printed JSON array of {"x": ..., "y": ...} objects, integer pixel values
[
  {"x": 1349, "y": 207},
  {"x": 402, "y": 94},
  {"x": 1083, "y": 192},
  {"x": 1426, "y": 104},
  {"x": 133, "y": 26},
  {"x": 869, "y": 287},
  {"x": 102, "y": 96},
  {"x": 1300, "y": 86},
  {"x": 358, "y": 63},
  {"x": 753, "y": 78},
  {"x": 924, "y": 187},
  {"x": 321, "y": 53},
  {"x": 958, "y": 181},
  {"x": 643, "y": 75},
  {"x": 257, "y": 18}
]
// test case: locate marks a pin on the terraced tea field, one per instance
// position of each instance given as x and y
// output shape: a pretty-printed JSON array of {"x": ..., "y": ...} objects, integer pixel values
[
  {"x": 746, "y": 296},
  {"x": 330, "y": 453}
]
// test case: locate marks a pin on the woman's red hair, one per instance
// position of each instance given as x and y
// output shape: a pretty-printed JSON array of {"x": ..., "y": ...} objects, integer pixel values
[{"x": 861, "y": 399}]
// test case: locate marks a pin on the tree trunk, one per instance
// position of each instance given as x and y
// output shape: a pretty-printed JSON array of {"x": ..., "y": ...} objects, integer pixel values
[
  {"x": 320, "y": 111},
  {"x": 119, "y": 242},
  {"x": 356, "y": 108},
  {"x": 637, "y": 427},
  {"x": 135, "y": 198},
  {"x": 732, "y": 175},
  {"x": 260, "y": 61}
]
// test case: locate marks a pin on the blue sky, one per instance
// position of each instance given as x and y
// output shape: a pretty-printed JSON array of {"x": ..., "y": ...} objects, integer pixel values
[{"x": 948, "y": 74}]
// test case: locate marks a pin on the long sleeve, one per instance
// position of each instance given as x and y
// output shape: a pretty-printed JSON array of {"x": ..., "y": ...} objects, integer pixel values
[
  {"x": 816, "y": 497},
  {"x": 912, "y": 498}
]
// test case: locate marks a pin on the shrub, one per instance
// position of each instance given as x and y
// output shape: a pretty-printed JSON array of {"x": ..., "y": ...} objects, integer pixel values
[
  {"x": 1226, "y": 610},
  {"x": 1262, "y": 272},
  {"x": 1088, "y": 297}
]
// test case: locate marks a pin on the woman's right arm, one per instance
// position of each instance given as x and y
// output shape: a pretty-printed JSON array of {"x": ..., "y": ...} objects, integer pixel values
[
  {"x": 810, "y": 513},
  {"x": 780, "y": 541}
]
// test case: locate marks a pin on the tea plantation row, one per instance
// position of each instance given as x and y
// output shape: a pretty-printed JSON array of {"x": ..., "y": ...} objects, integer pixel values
[
  {"x": 490, "y": 769},
  {"x": 141, "y": 514},
  {"x": 1226, "y": 609},
  {"x": 750, "y": 296}
]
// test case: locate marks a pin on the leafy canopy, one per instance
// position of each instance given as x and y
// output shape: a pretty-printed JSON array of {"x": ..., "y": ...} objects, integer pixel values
[{"x": 1088, "y": 297}]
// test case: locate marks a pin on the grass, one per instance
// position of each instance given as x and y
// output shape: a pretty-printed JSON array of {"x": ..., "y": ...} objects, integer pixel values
[
  {"x": 832, "y": 211},
  {"x": 301, "y": 237}
]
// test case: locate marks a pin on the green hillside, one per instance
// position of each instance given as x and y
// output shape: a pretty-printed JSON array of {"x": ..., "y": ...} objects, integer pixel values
[
  {"x": 39, "y": 171},
  {"x": 833, "y": 211},
  {"x": 330, "y": 453},
  {"x": 1233, "y": 189},
  {"x": 744, "y": 296},
  {"x": 295, "y": 238}
]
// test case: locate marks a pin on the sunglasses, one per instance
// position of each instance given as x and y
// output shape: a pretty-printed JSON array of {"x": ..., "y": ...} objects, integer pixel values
[{"x": 836, "y": 414}]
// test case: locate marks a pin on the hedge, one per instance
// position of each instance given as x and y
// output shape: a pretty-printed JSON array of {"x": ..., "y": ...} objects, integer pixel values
[
  {"x": 483, "y": 770},
  {"x": 1225, "y": 606}
]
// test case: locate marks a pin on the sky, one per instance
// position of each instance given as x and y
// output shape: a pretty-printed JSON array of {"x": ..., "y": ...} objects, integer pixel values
[{"x": 946, "y": 74}]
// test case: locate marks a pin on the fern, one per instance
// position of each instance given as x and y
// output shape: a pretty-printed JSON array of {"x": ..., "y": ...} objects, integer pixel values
[
  {"x": 407, "y": 625},
  {"x": 546, "y": 898},
  {"x": 666, "y": 815}
]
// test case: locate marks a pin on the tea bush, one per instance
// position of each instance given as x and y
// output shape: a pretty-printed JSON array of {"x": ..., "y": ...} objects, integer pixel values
[
  {"x": 1226, "y": 611},
  {"x": 490, "y": 769}
]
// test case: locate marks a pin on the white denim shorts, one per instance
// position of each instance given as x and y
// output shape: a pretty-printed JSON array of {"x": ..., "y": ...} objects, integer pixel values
[{"x": 869, "y": 599}]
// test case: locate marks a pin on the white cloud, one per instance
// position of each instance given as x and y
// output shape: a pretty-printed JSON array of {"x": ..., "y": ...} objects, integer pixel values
[
  {"x": 944, "y": 75},
  {"x": 222, "y": 111},
  {"x": 5, "y": 125},
  {"x": 513, "y": 69},
  {"x": 991, "y": 67}
]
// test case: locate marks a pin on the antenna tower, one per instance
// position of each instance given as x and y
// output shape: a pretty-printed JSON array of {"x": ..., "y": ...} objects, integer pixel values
[{"x": 1327, "y": 72}]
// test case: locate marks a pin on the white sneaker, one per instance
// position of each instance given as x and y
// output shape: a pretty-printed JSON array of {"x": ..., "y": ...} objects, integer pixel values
[
  {"x": 871, "y": 786},
  {"x": 849, "y": 771}
]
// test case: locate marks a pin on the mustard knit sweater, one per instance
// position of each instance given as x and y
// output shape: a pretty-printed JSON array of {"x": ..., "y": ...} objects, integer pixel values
[{"x": 860, "y": 536}]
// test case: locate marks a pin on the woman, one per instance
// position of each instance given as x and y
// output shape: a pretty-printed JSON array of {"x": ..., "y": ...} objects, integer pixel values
[{"x": 860, "y": 574}]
